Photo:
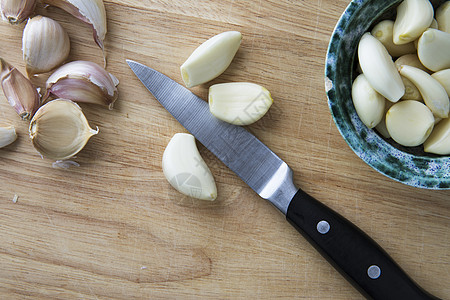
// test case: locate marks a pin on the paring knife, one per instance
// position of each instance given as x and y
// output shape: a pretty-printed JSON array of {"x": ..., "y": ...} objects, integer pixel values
[{"x": 354, "y": 254}]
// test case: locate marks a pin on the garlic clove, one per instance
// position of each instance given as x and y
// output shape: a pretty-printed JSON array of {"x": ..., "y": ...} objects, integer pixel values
[
  {"x": 186, "y": 170},
  {"x": 7, "y": 136},
  {"x": 83, "y": 81},
  {"x": 443, "y": 16},
  {"x": 16, "y": 11},
  {"x": 383, "y": 32},
  {"x": 379, "y": 69},
  {"x": 368, "y": 103},
  {"x": 439, "y": 140},
  {"x": 239, "y": 103},
  {"x": 59, "y": 129},
  {"x": 19, "y": 91},
  {"x": 45, "y": 45},
  {"x": 211, "y": 58},
  {"x": 409, "y": 122},
  {"x": 443, "y": 77},
  {"x": 381, "y": 127},
  {"x": 413, "y": 18},
  {"x": 410, "y": 60},
  {"x": 433, "y": 49},
  {"x": 434, "y": 95},
  {"x": 411, "y": 91}
]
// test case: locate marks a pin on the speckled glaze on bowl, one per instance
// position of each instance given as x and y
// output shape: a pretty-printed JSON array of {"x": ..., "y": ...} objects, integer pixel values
[{"x": 409, "y": 166}]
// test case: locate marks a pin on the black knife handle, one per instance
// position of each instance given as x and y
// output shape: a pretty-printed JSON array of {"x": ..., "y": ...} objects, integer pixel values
[{"x": 352, "y": 252}]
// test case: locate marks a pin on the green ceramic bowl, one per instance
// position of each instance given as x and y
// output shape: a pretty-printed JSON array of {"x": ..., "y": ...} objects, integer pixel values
[{"x": 411, "y": 166}]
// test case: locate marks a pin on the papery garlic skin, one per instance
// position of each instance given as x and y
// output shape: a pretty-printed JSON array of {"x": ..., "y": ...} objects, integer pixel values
[
  {"x": 413, "y": 18},
  {"x": 443, "y": 16},
  {"x": 45, "y": 45},
  {"x": 59, "y": 129},
  {"x": 383, "y": 32},
  {"x": 379, "y": 69},
  {"x": 83, "y": 81},
  {"x": 7, "y": 136},
  {"x": 21, "y": 94},
  {"x": 409, "y": 122},
  {"x": 433, "y": 93},
  {"x": 443, "y": 77},
  {"x": 433, "y": 49},
  {"x": 186, "y": 170},
  {"x": 211, "y": 58},
  {"x": 369, "y": 104},
  {"x": 239, "y": 103},
  {"x": 16, "y": 11},
  {"x": 439, "y": 140}
]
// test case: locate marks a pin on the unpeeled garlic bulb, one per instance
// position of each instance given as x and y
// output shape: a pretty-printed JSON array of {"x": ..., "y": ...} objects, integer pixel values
[
  {"x": 443, "y": 77},
  {"x": 413, "y": 18},
  {"x": 439, "y": 140},
  {"x": 19, "y": 91},
  {"x": 45, "y": 45},
  {"x": 211, "y": 58},
  {"x": 368, "y": 103},
  {"x": 83, "y": 81},
  {"x": 239, "y": 103},
  {"x": 59, "y": 130},
  {"x": 7, "y": 136},
  {"x": 443, "y": 16},
  {"x": 16, "y": 11},
  {"x": 383, "y": 31},
  {"x": 433, "y": 49},
  {"x": 409, "y": 122},
  {"x": 186, "y": 170}
]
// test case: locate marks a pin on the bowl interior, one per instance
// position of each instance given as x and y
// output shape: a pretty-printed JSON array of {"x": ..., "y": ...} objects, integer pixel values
[{"x": 411, "y": 166}]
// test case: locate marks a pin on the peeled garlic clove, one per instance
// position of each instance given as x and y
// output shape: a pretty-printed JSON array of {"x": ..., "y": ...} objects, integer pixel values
[
  {"x": 381, "y": 127},
  {"x": 368, "y": 103},
  {"x": 439, "y": 140},
  {"x": 45, "y": 45},
  {"x": 19, "y": 91},
  {"x": 433, "y": 49},
  {"x": 383, "y": 32},
  {"x": 16, "y": 11},
  {"x": 379, "y": 69},
  {"x": 91, "y": 12},
  {"x": 186, "y": 170},
  {"x": 411, "y": 91},
  {"x": 434, "y": 95},
  {"x": 409, "y": 122},
  {"x": 211, "y": 58},
  {"x": 7, "y": 136},
  {"x": 239, "y": 103},
  {"x": 83, "y": 81},
  {"x": 413, "y": 18},
  {"x": 443, "y": 16},
  {"x": 410, "y": 60},
  {"x": 59, "y": 129},
  {"x": 443, "y": 77}
]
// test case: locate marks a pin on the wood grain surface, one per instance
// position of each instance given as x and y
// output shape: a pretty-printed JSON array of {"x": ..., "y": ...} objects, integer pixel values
[{"x": 113, "y": 228}]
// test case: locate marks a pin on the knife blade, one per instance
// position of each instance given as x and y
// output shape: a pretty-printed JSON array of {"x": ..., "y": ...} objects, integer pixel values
[{"x": 354, "y": 254}]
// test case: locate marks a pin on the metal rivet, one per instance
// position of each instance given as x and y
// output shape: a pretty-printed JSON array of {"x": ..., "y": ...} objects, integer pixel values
[
  {"x": 323, "y": 227},
  {"x": 374, "y": 271}
]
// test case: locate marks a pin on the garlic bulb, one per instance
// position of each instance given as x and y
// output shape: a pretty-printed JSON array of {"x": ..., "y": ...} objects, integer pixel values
[
  {"x": 443, "y": 77},
  {"x": 368, "y": 103},
  {"x": 59, "y": 129},
  {"x": 432, "y": 91},
  {"x": 409, "y": 122},
  {"x": 439, "y": 140},
  {"x": 383, "y": 32},
  {"x": 45, "y": 45},
  {"x": 443, "y": 16},
  {"x": 16, "y": 11},
  {"x": 413, "y": 18},
  {"x": 379, "y": 69},
  {"x": 239, "y": 103},
  {"x": 7, "y": 136},
  {"x": 19, "y": 91},
  {"x": 186, "y": 170},
  {"x": 83, "y": 81},
  {"x": 433, "y": 49},
  {"x": 211, "y": 58},
  {"x": 91, "y": 12}
]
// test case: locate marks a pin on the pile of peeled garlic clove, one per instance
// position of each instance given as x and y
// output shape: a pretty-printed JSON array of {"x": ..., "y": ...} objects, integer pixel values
[{"x": 403, "y": 91}]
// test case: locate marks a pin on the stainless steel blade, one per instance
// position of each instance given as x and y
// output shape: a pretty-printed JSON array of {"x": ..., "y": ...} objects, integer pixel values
[{"x": 237, "y": 148}]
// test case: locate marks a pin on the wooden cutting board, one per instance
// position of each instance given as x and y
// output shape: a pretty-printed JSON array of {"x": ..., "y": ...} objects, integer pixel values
[{"x": 113, "y": 228}]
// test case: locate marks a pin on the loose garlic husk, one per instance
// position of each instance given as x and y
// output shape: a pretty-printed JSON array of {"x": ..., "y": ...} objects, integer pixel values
[
  {"x": 186, "y": 170},
  {"x": 443, "y": 16},
  {"x": 239, "y": 103},
  {"x": 409, "y": 122},
  {"x": 443, "y": 77},
  {"x": 413, "y": 18},
  {"x": 369, "y": 104},
  {"x": 19, "y": 91},
  {"x": 16, "y": 11},
  {"x": 379, "y": 69},
  {"x": 433, "y": 93},
  {"x": 83, "y": 81},
  {"x": 7, "y": 136},
  {"x": 433, "y": 49},
  {"x": 383, "y": 32},
  {"x": 439, "y": 140},
  {"x": 59, "y": 129},
  {"x": 45, "y": 45},
  {"x": 211, "y": 58}
]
